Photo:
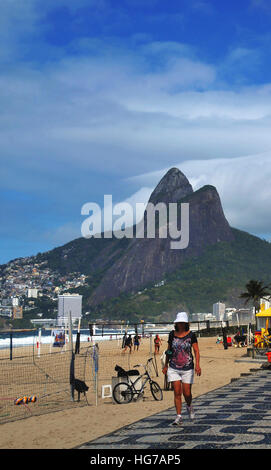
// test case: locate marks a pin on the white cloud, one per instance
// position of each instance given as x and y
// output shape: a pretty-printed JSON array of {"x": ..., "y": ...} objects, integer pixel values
[
  {"x": 243, "y": 185},
  {"x": 121, "y": 110},
  {"x": 98, "y": 111}
]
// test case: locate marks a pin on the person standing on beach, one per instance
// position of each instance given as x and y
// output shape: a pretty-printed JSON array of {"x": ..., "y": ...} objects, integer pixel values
[
  {"x": 180, "y": 364},
  {"x": 157, "y": 344},
  {"x": 225, "y": 342}
]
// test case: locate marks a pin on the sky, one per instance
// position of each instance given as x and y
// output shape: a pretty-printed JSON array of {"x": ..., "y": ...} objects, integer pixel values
[{"x": 104, "y": 96}]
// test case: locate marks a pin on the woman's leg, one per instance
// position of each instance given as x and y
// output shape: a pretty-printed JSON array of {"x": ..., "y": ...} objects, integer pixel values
[
  {"x": 177, "y": 387},
  {"x": 187, "y": 393}
]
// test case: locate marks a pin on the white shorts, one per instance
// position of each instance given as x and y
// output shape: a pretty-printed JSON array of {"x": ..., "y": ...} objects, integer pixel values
[{"x": 186, "y": 376}]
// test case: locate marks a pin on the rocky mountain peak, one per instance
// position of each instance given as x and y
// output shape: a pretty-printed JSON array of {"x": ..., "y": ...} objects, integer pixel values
[{"x": 172, "y": 187}]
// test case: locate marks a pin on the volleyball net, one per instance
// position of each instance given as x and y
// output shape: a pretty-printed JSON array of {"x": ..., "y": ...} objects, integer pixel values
[{"x": 36, "y": 379}]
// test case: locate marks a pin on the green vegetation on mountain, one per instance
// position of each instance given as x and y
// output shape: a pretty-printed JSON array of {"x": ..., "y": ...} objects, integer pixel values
[
  {"x": 221, "y": 273},
  {"x": 81, "y": 255}
]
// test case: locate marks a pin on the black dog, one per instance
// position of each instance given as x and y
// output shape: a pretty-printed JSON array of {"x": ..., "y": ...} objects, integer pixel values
[{"x": 79, "y": 386}]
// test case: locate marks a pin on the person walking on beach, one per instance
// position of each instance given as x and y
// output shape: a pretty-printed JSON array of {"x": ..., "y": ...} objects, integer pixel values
[
  {"x": 136, "y": 342},
  {"x": 225, "y": 342},
  {"x": 157, "y": 344},
  {"x": 180, "y": 364},
  {"x": 128, "y": 344}
]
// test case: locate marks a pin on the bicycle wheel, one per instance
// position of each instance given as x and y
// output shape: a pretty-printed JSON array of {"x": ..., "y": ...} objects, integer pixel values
[
  {"x": 123, "y": 393},
  {"x": 156, "y": 391}
]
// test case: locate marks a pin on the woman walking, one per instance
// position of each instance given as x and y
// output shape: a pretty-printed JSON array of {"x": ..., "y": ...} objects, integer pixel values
[
  {"x": 157, "y": 344},
  {"x": 180, "y": 364}
]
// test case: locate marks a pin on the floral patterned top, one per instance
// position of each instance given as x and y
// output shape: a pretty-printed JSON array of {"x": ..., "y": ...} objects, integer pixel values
[{"x": 182, "y": 358}]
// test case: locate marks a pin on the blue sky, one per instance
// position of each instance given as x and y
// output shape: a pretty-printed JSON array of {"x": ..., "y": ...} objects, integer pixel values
[{"x": 102, "y": 97}]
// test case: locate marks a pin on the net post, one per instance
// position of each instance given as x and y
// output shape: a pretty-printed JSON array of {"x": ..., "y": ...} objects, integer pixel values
[
  {"x": 97, "y": 375},
  {"x": 70, "y": 332},
  {"x": 10, "y": 346},
  {"x": 72, "y": 358},
  {"x": 77, "y": 344},
  {"x": 39, "y": 342},
  {"x": 95, "y": 354},
  {"x": 94, "y": 332},
  {"x": 51, "y": 340}
]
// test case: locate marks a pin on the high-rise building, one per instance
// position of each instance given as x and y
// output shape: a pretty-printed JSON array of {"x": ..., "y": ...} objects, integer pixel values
[
  {"x": 265, "y": 303},
  {"x": 219, "y": 310},
  {"x": 69, "y": 303}
]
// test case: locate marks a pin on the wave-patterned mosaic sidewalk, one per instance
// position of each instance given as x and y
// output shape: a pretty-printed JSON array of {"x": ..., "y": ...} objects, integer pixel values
[{"x": 236, "y": 416}]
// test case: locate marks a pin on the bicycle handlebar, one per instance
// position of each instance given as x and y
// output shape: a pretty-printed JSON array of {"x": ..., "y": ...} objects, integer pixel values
[{"x": 143, "y": 365}]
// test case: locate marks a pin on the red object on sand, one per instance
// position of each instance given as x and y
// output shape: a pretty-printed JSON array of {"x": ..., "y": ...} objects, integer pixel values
[{"x": 268, "y": 354}]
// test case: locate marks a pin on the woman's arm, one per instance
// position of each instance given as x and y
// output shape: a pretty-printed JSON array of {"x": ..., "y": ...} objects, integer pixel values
[
  {"x": 197, "y": 358},
  {"x": 164, "y": 370}
]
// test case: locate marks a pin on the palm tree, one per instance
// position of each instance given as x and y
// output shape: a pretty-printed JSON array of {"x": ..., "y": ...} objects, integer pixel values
[{"x": 256, "y": 290}]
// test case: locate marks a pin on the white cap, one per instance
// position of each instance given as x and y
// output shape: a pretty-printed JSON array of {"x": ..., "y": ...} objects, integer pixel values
[{"x": 181, "y": 318}]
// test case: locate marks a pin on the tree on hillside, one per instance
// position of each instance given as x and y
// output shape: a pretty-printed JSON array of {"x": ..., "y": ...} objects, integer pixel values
[{"x": 256, "y": 290}]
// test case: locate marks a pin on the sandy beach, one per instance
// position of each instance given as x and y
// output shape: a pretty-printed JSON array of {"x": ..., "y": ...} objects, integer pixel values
[{"x": 76, "y": 425}]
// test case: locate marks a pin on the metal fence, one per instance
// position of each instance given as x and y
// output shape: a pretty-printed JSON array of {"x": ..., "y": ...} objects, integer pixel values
[{"x": 33, "y": 383}]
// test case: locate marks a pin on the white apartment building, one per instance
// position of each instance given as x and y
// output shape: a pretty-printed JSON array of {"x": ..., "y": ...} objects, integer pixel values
[
  {"x": 69, "y": 303},
  {"x": 219, "y": 311},
  {"x": 15, "y": 301},
  {"x": 32, "y": 292}
]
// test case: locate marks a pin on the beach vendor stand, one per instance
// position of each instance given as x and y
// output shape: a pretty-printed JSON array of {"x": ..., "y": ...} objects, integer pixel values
[{"x": 262, "y": 335}]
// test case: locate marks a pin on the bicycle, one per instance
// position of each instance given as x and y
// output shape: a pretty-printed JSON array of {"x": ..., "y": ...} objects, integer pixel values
[{"x": 125, "y": 392}]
